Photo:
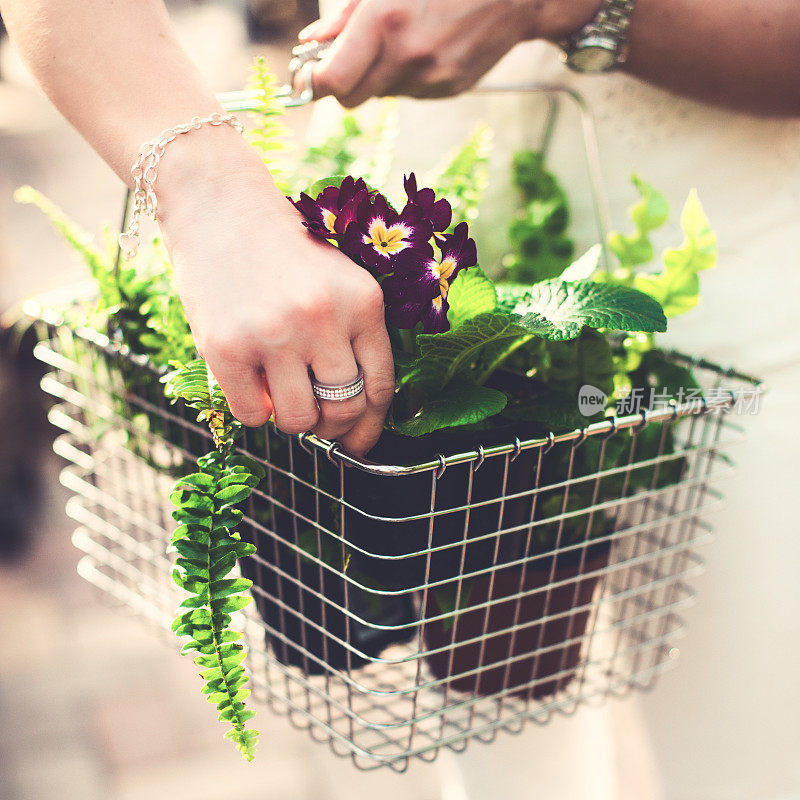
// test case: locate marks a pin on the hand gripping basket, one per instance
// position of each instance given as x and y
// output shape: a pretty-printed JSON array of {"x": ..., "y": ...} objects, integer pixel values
[{"x": 442, "y": 591}]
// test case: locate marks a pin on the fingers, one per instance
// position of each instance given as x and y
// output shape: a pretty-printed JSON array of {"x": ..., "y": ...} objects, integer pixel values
[
  {"x": 337, "y": 417},
  {"x": 352, "y": 55},
  {"x": 245, "y": 390},
  {"x": 330, "y": 26},
  {"x": 373, "y": 352},
  {"x": 290, "y": 388}
]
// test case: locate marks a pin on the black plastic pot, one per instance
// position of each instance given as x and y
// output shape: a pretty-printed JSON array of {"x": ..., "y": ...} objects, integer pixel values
[
  {"x": 305, "y": 607},
  {"x": 397, "y": 541},
  {"x": 322, "y": 611}
]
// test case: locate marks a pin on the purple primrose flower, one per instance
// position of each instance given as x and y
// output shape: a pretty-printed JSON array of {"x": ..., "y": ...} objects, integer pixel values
[
  {"x": 439, "y": 212},
  {"x": 381, "y": 234},
  {"x": 417, "y": 291},
  {"x": 397, "y": 247},
  {"x": 330, "y": 214}
]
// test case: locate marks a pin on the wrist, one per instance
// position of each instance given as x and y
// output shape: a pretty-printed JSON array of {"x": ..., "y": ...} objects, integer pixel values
[
  {"x": 207, "y": 167},
  {"x": 555, "y": 20}
]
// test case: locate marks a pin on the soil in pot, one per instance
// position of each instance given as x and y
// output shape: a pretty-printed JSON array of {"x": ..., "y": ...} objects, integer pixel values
[{"x": 546, "y": 652}]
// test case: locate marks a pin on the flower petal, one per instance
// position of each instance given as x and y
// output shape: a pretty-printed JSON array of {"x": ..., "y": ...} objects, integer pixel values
[
  {"x": 414, "y": 288},
  {"x": 434, "y": 316},
  {"x": 404, "y": 315}
]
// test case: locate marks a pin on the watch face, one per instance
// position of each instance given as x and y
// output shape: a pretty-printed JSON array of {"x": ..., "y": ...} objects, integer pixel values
[{"x": 595, "y": 55}]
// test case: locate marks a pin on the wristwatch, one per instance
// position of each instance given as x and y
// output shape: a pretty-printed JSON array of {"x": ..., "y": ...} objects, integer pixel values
[{"x": 601, "y": 45}]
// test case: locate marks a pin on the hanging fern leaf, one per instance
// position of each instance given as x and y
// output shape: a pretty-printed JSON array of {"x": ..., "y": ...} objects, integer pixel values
[{"x": 209, "y": 548}]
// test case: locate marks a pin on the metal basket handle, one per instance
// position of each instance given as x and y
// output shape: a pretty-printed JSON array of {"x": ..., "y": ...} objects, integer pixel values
[{"x": 300, "y": 91}]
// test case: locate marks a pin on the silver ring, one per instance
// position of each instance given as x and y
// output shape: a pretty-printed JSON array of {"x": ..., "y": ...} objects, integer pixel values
[{"x": 327, "y": 391}]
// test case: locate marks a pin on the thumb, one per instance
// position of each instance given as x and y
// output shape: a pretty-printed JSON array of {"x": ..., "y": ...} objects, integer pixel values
[{"x": 330, "y": 26}]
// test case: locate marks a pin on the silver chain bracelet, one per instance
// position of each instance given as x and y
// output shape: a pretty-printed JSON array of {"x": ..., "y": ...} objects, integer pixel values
[{"x": 145, "y": 171}]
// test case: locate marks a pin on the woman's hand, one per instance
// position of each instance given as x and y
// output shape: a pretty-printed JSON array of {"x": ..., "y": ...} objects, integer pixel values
[
  {"x": 430, "y": 49},
  {"x": 265, "y": 299}
]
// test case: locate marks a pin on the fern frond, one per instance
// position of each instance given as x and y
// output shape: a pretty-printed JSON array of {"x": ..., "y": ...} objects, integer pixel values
[
  {"x": 270, "y": 134},
  {"x": 100, "y": 264},
  {"x": 463, "y": 177},
  {"x": 208, "y": 549}
]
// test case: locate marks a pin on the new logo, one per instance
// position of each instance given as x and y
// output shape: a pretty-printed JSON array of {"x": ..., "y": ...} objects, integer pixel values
[{"x": 591, "y": 400}]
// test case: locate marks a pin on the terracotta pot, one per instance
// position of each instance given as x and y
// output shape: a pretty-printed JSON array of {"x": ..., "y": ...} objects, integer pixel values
[{"x": 552, "y": 669}]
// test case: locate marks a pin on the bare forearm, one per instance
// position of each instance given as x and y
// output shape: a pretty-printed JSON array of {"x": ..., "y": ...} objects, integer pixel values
[
  {"x": 114, "y": 69},
  {"x": 743, "y": 54}
]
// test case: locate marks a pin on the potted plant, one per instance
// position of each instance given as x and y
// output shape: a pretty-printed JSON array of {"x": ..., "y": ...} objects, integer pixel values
[{"x": 443, "y": 552}]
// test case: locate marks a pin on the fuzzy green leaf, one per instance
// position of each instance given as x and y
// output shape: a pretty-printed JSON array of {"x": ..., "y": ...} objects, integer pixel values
[
  {"x": 459, "y": 403},
  {"x": 557, "y": 310},
  {"x": 472, "y": 293},
  {"x": 445, "y": 356}
]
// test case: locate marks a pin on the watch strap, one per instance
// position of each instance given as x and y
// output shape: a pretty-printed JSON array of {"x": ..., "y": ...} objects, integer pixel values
[{"x": 610, "y": 23}]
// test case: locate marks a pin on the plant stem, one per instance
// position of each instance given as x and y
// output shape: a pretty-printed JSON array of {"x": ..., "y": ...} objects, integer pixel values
[
  {"x": 408, "y": 341},
  {"x": 498, "y": 360}
]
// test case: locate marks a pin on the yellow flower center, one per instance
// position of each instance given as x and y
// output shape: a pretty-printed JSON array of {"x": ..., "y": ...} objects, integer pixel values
[
  {"x": 329, "y": 218},
  {"x": 387, "y": 240},
  {"x": 444, "y": 271}
]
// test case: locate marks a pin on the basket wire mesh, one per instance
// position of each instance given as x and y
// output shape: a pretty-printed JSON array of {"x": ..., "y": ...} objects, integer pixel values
[
  {"x": 381, "y": 669},
  {"x": 430, "y": 597}
]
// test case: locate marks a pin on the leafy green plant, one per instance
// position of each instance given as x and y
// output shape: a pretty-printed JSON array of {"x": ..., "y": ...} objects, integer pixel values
[
  {"x": 676, "y": 286},
  {"x": 209, "y": 548},
  {"x": 541, "y": 248},
  {"x": 470, "y": 355}
]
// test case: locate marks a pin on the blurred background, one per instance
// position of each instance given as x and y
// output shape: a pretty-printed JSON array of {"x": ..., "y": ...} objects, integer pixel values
[{"x": 92, "y": 705}]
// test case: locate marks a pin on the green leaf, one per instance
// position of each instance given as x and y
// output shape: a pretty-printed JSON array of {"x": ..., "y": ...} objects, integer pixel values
[
  {"x": 197, "y": 480},
  {"x": 576, "y": 362},
  {"x": 251, "y": 465},
  {"x": 230, "y": 604},
  {"x": 677, "y": 291},
  {"x": 557, "y": 410},
  {"x": 510, "y": 294},
  {"x": 444, "y": 356},
  {"x": 459, "y": 403},
  {"x": 472, "y": 293},
  {"x": 584, "y": 267},
  {"x": 677, "y": 287},
  {"x": 557, "y": 310},
  {"x": 232, "y": 495},
  {"x": 650, "y": 213},
  {"x": 229, "y": 586},
  {"x": 699, "y": 249},
  {"x": 319, "y": 186},
  {"x": 238, "y": 479}
]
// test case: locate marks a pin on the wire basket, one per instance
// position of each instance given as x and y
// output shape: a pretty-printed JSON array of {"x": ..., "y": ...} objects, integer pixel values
[
  {"x": 352, "y": 635},
  {"x": 440, "y": 593}
]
